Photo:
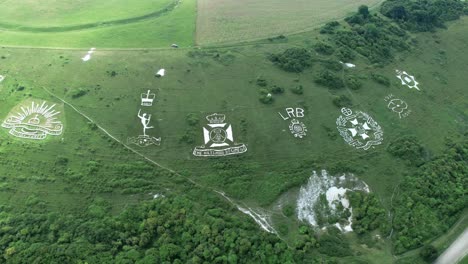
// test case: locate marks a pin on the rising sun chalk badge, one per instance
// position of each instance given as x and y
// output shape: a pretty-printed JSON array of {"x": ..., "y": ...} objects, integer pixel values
[
  {"x": 359, "y": 129},
  {"x": 219, "y": 139},
  {"x": 34, "y": 122}
]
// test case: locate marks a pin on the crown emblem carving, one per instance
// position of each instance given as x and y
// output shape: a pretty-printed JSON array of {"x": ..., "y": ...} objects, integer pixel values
[
  {"x": 147, "y": 98},
  {"x": 216, "y": 118}
]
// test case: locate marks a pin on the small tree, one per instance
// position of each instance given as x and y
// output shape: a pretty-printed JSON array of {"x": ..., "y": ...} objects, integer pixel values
[
  {"x": 364, "y": 11},
  {"x": 429, "y": 253}
]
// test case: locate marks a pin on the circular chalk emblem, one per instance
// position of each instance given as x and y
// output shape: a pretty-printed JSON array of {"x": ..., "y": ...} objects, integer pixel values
[
  {"x": 298, "y": 129},
  {"x": 218, "y": 135},
  {"x": 359, "y": 129}
]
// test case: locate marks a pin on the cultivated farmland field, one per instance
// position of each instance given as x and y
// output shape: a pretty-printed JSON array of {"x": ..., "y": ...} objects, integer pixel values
[{"x": 221, "y": 21}]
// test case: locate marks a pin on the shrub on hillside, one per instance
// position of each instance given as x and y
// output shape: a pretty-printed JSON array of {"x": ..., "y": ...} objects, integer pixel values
[
  {"x": 332, "y": 65},
  {"x": 261, "y": 82},
  {"x": 353, "y": 82},
  {"x": 381, "y": 79},
  {"x": 429, "y": 253},
  {"x": 292, "y": 59},
  {"x": 408, "y": 148},
  {"x": 370, "y": 36},
  {"x": 345, "y": 54},
  {"x": 333, "y": 244},
  {"x": 423, "y": 15},
  {"x": 324, "y": 48},
  {"x": 342, "y": 101},
  {"x": 298, "y": 90},
  {"x": 330, "y": 27},
  {"x": 329, "y": 79},
  {"x": 265, "y": 96},
  {"x": 277, "y": 90},
  {"x": 76, "y": 93}
]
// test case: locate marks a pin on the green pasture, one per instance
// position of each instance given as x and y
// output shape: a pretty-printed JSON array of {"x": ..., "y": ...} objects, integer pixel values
[
  {"x": 49, "y": 13},
  {"x": 161, "y": 25}
]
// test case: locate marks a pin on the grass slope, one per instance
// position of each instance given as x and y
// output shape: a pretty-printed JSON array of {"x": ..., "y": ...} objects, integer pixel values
[
  {"x": 48, "y": 13},
  {"x": 203, "y": 85},
  {"x": 175, "y": 25},
  {"x": 201, "y": 82}
]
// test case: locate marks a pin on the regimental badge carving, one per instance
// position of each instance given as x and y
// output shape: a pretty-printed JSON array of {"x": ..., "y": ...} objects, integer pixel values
[
  {"x": 219, "y": 139},
  {"x": 359, "y": 129},
  {"x": 397, "y": 106},
  {"x": 297, "y": 128},
  {"x": 147, "y": 98},
  {"x": 34, "y": 122},
  {"x": 2, "y": 78},
  {"x": 407, "y": 80},
  {"x": 144, "y": 140}
]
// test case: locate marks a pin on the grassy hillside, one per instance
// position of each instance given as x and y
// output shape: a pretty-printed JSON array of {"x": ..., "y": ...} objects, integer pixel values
[
  {"x": 89, "y": 174},
  {"x": 161, "y": 25},
  {"x": 48, "y": 13}
]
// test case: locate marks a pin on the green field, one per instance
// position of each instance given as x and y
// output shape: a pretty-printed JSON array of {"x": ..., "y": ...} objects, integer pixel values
[
  {"x": 91, "y": 172},
  {"x": 228, "y": 21},
  {"x": 147, "y": 24},
  {"x": 48, "y": 13}
]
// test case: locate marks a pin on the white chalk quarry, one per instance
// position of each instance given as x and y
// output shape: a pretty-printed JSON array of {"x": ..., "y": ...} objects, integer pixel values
[{"x": 334, "y": 189}]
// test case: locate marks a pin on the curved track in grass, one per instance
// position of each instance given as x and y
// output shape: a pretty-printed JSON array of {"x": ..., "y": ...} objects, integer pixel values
[{"x": 124, "y": 21}]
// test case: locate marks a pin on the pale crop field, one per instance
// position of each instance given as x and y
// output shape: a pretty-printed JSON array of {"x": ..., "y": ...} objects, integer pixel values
[{"x": 226, "y": 21}]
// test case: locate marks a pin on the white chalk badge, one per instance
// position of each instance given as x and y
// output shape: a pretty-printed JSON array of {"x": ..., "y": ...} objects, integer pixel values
[
  {"x": 219, "y": 139},
  {"x": 36, "y": 121},
  {"x": 296, "y": 127},
  {"x": 359, "y": 129}
]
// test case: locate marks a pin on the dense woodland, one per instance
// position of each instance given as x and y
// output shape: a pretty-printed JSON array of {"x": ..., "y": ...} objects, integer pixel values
[
  {"x": 431, "y": 199},
  {"x": 165, "y": 230}
]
